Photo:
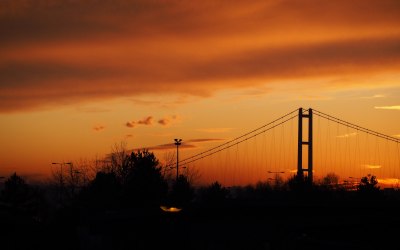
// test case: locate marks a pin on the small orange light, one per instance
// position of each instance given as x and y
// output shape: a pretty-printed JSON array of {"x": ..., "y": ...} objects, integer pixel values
[{"x": 170, "y": 209}]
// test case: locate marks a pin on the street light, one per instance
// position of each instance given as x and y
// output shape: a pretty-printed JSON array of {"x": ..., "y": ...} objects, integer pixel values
[
  {"x": 178, "y": 142},
  {"x": 277, "y": 172}
]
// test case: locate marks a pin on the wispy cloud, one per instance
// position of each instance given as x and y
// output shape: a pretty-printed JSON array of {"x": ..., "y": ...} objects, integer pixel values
[
  {"x": 186, "y": 144},
  {"x": 347, "y": 135},
  {"x": 389, "y": 181},
  {"x": 397, "y": 107},
  {"x": 145, "y": 121},
  {"x": 131, "y": 124},
  {"x": 168, "y": 120},
  {"x": 166, "y": 147},
  {"x": 99, "y": 128},
  {"x": 369, "y": 166},
  {"x": 373, "y": 97}
]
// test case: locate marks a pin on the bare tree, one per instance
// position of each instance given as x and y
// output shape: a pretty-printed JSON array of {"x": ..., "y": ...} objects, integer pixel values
[
  {"x": 119, "y": 160},
  {"x": 331, "y": 179},
  {"x": 169, "y": 161},
  {"x": 83, "y": 171},
  {"x": 192, "y": 174}
]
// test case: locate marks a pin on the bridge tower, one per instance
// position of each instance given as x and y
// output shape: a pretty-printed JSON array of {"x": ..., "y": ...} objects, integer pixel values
[{"x": 305, "y": 114}]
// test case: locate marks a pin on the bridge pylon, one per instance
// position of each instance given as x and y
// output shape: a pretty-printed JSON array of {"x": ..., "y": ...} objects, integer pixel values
[{"x": 305, "y": 114}]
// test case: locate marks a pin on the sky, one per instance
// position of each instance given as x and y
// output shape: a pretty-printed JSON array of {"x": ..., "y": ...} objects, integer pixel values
[{"x": 78, "y": 77}]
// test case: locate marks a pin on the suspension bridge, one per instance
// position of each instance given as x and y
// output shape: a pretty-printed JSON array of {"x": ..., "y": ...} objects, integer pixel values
[{"x": 303, "y": 143}]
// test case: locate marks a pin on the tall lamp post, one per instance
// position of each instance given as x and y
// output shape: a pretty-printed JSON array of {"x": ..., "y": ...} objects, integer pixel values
[{"x": 177, "y": 143}]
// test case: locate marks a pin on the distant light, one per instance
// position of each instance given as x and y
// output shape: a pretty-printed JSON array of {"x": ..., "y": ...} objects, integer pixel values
[{"x": 170, "y": 209}]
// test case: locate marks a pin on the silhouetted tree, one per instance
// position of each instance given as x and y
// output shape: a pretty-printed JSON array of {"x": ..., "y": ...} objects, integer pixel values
[
  {"x": 144, "y": 182},
  {"x": 168, "y": 161},
  {"x": 330, "y": 179},
  {"x": 103, "y": 192},
  {"x": 368, "y": 187},
  {"x": 16, "y": 191},
  {"x": 119, "y": 162},
  {"x": 277, "y": 182},
  {"x": 214, "y": 194},
  {"x": 182, "y": 191}
]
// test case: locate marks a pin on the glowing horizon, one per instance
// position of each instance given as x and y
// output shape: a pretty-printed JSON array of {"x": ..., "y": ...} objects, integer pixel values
[{"x": 77, "y": 77}]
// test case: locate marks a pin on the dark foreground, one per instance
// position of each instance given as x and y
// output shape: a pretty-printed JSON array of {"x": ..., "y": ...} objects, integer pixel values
[{"x": 231, "y": 225}]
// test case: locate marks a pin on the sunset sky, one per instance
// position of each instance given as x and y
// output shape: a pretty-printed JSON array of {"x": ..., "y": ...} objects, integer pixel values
[{"x": 77, "y": 77}]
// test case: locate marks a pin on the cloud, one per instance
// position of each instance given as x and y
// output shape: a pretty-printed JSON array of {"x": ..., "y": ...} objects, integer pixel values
[
  {"x": 389, "y": 107},
  {"x": 145, "y": 121},
  {"x": 167, "y": 147},
  {"x": 388, "y": 181},
  {"x": 130, "y": 124},
  {"x": 186, "y": 144},
  {"x": 372, "y": 166},
  {"x": 168, "y": 120},
  {"x": 347, "y": 135},
  {"x": 98, "y": 128},
  {"x": 67, "y": 52},
  {"x": 373, "y": 97}
]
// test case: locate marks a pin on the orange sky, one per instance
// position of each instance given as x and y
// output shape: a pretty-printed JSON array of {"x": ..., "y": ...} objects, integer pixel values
[{"x": 76, "y": 77}]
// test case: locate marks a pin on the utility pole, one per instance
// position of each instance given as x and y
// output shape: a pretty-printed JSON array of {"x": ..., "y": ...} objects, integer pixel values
[
  {"x": 177, "y": 143},
  {"x": 309, "y": 143}
]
